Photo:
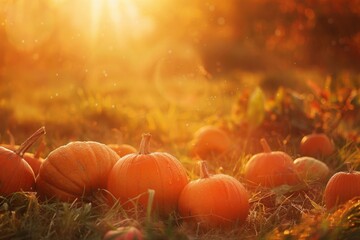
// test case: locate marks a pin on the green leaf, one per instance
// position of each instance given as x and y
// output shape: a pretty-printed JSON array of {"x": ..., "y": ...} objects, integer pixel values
[{"x": 256, "y": 107}]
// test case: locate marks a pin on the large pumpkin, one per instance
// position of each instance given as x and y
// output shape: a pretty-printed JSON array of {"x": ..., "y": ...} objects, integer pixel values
[
  {"x": 75, "y": 171},
  {"x": 342, "y": 187},
  {"x": 214, "y": 200},
  {"x": 16, "y": 174},
  {"x": 134, "y": 174},
  {"x": 271, "y": 168}
]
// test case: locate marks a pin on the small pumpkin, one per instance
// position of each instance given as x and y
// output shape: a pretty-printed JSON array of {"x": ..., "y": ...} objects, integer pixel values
[
  {"x": 122, "y": 149},
  {"x": 342, "y": 187},
  {"x": 124, "y": 233},
  {"x": 271, "y": 168},
  {"x": 16, "y": 174},
  {"x": 75, "y": 171},
  {"x": 209, "y": 142},
  {"x": 217, "y": 200},
  {"x": 134, "y": 174},
  {"x": 316, "y": 145},
  {"x": 310, "y": 169},
  {"x": 34, "y": 160}
]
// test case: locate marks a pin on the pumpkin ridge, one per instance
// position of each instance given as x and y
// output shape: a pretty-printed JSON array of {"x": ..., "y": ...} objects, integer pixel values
[
  {"x": 82, "y": 162},
  {"x": 128, "y": 167},
  {"x": 123, "y": 163},
  {"x": 19, "y": 163},
  {"x": 40, "y": 179},
  {"x": 89, "y": 183},
  {"x": 154, "y": 157},
  {"x": 109, "y": 165},
  {"x": 52, "y": 186},
  {"x": 101, "y": 165},
  {"x": 64, "y": 156},
  {"x": 11, "y": 177},
  {"x": 47, "y": 182}
]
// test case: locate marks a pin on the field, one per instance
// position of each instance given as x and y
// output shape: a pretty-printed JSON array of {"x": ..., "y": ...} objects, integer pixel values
[{"x": 93, "y": 90}]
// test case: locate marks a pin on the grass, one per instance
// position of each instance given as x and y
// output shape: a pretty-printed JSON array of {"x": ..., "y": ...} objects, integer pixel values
[{"x": 118, "y": 111}]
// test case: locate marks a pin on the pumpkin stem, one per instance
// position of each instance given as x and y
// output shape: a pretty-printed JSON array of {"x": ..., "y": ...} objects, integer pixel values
[
  {"x": 265, "y": 145},
  {"x": 40, "y": 149},
  {"x": 145, "y": 144},
  {"x": 30, "y": 141},
  {"x": 204, "y": 173}
]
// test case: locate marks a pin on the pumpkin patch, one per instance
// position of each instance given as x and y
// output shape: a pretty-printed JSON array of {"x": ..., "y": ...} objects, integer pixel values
[{"x": 173, "y": 120}]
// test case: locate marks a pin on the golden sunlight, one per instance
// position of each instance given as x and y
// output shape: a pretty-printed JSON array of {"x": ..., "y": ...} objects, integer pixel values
[
  {"x": 120, "y": 20},
  {"x": 121, "y": 14}
]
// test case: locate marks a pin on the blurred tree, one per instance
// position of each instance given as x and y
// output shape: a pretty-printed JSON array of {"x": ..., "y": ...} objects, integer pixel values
[{"x": 276, "y": 34}]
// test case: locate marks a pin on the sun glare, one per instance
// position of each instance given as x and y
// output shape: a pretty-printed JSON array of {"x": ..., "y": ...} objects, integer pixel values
[
  {"x": 87, "y": 21},
  {"x": 116, "y": 18}
]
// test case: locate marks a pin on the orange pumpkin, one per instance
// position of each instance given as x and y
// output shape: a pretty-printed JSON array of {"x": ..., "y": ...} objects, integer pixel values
[
  {"x": 217, "y": 200},
  {"x": 33, "y": 159},
  {"x": 311, "y": 169},
  {"x": 341, "y": 187},
  {"x": 75, "y": 171},
  {"x": 316, "y": 145},
  {"x": 16, "y": 174},
  {"x": 124, "y": 233},
  {"x": 134, "y": 174},
  {"x": 122, "y": 149},
  {"x": 209, "y": 142},
  {"x": 271, "y": 168}
]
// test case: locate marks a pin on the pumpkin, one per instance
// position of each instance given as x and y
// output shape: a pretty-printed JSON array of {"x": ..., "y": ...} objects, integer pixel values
[
  {"x": 16, "y": 174},
  {"x": 33, "y": 159},
  {"x": 271, "y": 168},
  {"x": 316, "y": 145},
  {"x": 342, "y": 187},
  {"x": 124, "y": 233},
  {"x": 75, "y": 171},
  {"x": 209, "y": 142},
  {"x": 311, "y": 169},
  {"x": 217, "y": 200},
  {"x": 134, "y": 174},
  {"x": 122, "y": 149}
]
